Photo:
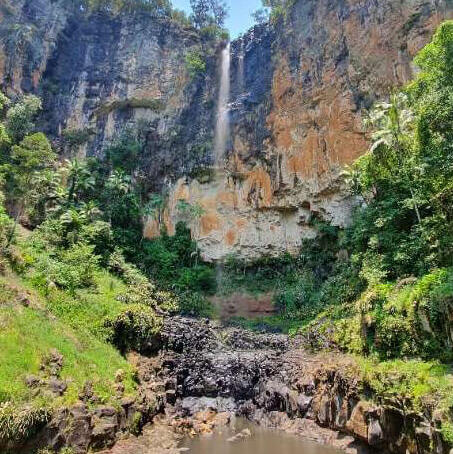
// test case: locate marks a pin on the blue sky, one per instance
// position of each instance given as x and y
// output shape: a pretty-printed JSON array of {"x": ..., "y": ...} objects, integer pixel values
[{"x": 240, "y": 11}]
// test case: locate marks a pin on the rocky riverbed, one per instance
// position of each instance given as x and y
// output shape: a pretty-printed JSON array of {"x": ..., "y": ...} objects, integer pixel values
[{"x": 203, "y": 375}]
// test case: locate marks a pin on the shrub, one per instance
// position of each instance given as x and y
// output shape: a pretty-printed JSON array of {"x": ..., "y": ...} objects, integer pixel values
[
  {"x": 19, "y": 118},
  {"x": 68, "y": 269},
  {"x": 21, "y": 423},
  {"x": 140, "y": 289},
  {"x": 300, "y": 299},
  {"x": 195, "y": 304},
  {"x": 199, "y": 278},
  {"x": 195, "y": 63},
  {"x": 99, "y": 234},
  {"x": 135, "y": 328}
]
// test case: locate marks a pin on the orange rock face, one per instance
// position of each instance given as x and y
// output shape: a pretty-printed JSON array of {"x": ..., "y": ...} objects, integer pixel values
[
  {"x": 299, "y": 90},
  {"x": 329, "y": 62}
]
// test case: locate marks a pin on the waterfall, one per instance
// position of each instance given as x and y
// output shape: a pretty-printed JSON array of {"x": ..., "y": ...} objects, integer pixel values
[
  {"x": 222, "y": 125},
  {"x": 241, "y": 81}
]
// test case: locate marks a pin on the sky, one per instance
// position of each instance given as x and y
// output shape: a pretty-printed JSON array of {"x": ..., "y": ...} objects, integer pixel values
[{"x": 239, "y": 20}]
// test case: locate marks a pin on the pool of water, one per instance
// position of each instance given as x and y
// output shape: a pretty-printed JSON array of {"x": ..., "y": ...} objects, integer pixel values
[{"x": 254, "y": 440}]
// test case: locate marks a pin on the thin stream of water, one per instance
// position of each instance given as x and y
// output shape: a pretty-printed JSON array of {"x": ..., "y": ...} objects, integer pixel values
[
  {"x": 222, "y": 125},
  {"x": 241, "y": 76}
]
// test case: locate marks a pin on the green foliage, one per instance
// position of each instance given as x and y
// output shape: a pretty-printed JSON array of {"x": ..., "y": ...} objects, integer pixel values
[
  {"x": 406, "y": 319},
  {"x": 174, "y": 262},
  {"x": 135, "y": 328},
  {"x": 19, "y": 424},
  {"x": 195, "y": 63},
  {"x": 267, "y": 324},
  {"x": 7, "y": 229},
  {"x": 4, "y": 102},
  {"x": 208, "y": 12},
  {"x": 31, "y": 161},
  {"x": 69, "y": 269},
  {"x": 140, "y": 289},
  {"x": 416, "y": 384},
  {"x": 20, "y": 117},
  {"x": 278, "y": 8},
  {"x": 157, "y": 7},
  {"x": 76, "y": 137},
  {"x": 194, "y": 304},
  {"x": 124, "y": 152},
  {"x": 261, "y": 16},
  {"x": 255, "y": 276}
]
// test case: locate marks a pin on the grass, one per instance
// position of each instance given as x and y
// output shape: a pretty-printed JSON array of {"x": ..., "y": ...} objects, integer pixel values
[
  {"x": 417, "y": 384},
  {"x": 71, "y": 325},
  {"x": 88, "y": 308}
]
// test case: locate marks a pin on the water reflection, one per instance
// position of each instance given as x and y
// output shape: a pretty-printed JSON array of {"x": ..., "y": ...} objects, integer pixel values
[{"x": 261, "y": 441}]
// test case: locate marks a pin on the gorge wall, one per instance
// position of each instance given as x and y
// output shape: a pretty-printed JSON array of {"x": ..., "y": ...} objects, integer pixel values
[{"x": 298, "y": 92}]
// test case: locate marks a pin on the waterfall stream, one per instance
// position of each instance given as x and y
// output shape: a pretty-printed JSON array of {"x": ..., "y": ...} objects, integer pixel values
[
  {"x": 222, "y": 124},
  {"x": 241, "y": 77}
]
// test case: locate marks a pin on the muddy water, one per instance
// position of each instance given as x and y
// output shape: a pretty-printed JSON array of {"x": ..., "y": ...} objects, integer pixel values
[{"x": 247, "y": 438}]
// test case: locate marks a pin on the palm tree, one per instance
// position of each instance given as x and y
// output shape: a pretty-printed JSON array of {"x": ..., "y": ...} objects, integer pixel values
[
  {"x": 80, "y": 179},
  {"x": 391, "y": 146}
]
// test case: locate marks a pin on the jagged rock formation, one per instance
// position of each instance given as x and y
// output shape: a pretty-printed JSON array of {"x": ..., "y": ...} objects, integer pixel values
[
  {"x": 298, "y": 89},
  {"x": 271, "y": 379}
]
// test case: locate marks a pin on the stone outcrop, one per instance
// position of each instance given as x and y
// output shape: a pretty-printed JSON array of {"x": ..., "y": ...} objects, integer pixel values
[
  {"x": 298, "y": 91},
  {"x": 272, "y": 380}
]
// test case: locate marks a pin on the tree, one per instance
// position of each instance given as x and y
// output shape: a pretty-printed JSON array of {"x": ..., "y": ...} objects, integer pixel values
[
  {"x": 33, "y": 156},
  {"x": 80, "y": 179},
  {"x": 208, "y": 12},
  {"x": 20, "y": 117},
  {"x": 260, "y": 16},
  {"x": 391, "y": 153}
]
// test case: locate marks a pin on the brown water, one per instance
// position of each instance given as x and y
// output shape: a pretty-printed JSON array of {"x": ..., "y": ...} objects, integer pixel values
[{"x": 261, "y": 441}]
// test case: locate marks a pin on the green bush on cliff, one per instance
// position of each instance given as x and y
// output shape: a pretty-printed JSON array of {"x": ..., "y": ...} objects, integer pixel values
[
  {"x": 406, "y": 319},
  {"x": 195, "y": 63},
  {"x": 20, "y": 117}
]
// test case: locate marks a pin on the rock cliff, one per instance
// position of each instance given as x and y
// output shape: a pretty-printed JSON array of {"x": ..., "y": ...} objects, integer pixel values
[{"x": 299, "y": 88}]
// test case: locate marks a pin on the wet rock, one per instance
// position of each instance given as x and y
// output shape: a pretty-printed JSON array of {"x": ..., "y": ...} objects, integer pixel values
[
  {"x": 424, "y": 437},
  {"x": 79, "y": 433},
  {"x": 358, "y": 424},
  {"x": 246, "y": 433},
  {"x": 303, "y": 403},
  {"x": 375, "y": 433},
  {"x": 127, "y": 402},
  {"x": 103, "y": 435}
]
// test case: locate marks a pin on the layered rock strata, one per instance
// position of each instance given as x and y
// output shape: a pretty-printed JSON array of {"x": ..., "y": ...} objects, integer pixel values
[{"x": 298, "y": 92}]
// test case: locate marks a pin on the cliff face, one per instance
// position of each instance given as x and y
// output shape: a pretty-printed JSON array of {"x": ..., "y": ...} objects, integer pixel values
[
  {"x": 298, "y": 90},
  {"x": 298, "y": 119},
  {"x": 100, "y": 73}
]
